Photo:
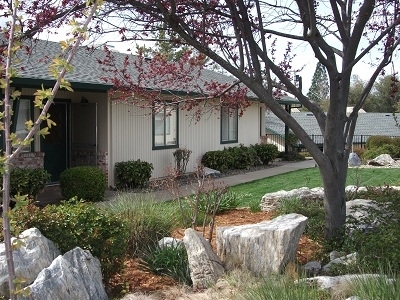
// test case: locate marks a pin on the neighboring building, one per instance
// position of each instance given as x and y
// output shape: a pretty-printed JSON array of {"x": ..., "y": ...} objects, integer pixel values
[
  {"x": 93, "y": 130},
  {"x": 367, "y": 124}
]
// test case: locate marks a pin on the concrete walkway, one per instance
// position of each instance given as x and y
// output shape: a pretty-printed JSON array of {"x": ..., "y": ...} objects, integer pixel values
[{"x": 52, "y": 194}]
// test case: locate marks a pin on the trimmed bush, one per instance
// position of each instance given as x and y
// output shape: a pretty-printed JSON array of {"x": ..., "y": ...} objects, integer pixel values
[
  {"x": 243, "y": 157},
  {"x": 266, "y": 152},
  {"x": 218, "y": 160},
  {"x": 83, "y": 182},
  {"x": 377, "y": 141},
  {"x": 77, "y": 224},
  {"x": 27, "y": 181},
  {"x": 133, "y": 174}
]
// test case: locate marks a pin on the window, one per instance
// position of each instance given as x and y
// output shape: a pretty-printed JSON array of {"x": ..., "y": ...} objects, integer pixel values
[
  {"x": 22, "y": 113},
  {"x": 229, "y": 125},
  {"x": 165, "y": 128}
]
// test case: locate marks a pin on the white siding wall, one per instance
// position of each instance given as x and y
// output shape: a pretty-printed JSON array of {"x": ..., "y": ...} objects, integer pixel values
[{"x": 131, "y": 136}]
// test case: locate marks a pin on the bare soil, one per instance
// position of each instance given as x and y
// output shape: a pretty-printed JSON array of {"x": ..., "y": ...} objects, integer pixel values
[{"x": 134, "y": 280}]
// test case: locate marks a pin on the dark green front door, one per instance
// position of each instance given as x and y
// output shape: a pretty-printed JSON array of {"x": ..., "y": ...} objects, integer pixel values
[{"x": 55, "y": 144}]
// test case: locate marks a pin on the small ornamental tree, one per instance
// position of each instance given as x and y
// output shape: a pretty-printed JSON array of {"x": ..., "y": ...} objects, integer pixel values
[
  {"x": 242, "y": 37},
  {"x": 11, "y": 45},
  {"x": 319, "y": 89}
]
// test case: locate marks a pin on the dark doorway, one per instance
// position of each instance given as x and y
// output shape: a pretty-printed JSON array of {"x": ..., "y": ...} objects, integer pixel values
[{"x": 55, "y": 144}]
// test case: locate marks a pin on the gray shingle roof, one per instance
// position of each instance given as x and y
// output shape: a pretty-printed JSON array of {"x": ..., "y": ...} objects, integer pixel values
[
  {"x": 367, "y": 124},
  {"x": 87, "y": 70}
]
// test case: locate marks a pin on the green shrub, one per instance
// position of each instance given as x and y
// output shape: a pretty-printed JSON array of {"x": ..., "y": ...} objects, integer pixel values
[
  {"x": 168, "y": 260},
  {"x": 147, "y": 220},
  {"x": 83, "y": 182},
  {"x": 133, "y": 174},
  {"x": 27, "y": 181},
  {"x": 77, "y": 224},
  {"x": 291, "y": 156},
  {"x": 377, "y": 141},
  {"x": 243, "y": 157},
  {"x": 266, "y": 152},
  {"x": 392, "y": 150},
  {"x": 218, "y": 160}
]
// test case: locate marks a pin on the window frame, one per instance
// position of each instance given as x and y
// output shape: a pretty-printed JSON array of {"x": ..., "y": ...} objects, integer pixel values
[
  {"x": 14, "y": 118},
  {"x": 233, "y": 120},
  {"x": 167, "y": 128}
]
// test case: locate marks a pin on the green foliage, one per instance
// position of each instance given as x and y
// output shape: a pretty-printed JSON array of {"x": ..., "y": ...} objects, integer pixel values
[
  {"x": 167, "y": 260},
  {"x": 319, "y": 89},
  {"x": 83, "y": 182},
  {"x": 75, "y": 223},
  {"x": 240, "y": 157},
  {"x": 377, "y": 287},
  {"x": 377, "y": 141},
  {"x": 221, "y": 160},
  {"x": 313, "y": 209},
  {"x": 291, "y": 156},
  {"x": 25, "y": 181},
  {"x": 227, "y": 200},
  {"x": 266, "y": 152},
  {"x": 147, "y": 221},
  {"x": 133, "y": 174},
  {"x": 243, "y": 157},
  {"x": 376, "y": 236},
  {"x": 392, "y": 150}
]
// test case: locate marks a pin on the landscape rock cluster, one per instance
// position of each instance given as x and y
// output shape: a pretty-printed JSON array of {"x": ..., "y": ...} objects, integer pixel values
[{"x": 50, "y": 275}]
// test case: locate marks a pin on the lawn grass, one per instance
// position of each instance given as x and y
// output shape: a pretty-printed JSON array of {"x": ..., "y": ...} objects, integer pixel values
[{"x": 253, "y": 191}]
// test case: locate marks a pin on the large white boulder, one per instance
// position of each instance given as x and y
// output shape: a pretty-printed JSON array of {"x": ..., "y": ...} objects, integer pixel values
[
  {"x": 35, "y": 253},
  {"x": 261, "y": 248},
  {"x": 75, "y": 275},
  {"x": 205, "y": 266}
]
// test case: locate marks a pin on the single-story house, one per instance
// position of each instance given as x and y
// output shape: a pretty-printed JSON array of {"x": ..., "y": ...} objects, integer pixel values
[
  {"x": 93, "y": 129},
  {"x": 368, "y": 124}
]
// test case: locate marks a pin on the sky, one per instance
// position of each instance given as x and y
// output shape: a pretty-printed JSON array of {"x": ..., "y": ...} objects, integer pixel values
[{"x": 304, "y": 59}]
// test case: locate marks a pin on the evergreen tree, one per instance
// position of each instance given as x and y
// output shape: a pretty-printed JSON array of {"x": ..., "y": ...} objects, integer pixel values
[{"x": 319, "y": 90}]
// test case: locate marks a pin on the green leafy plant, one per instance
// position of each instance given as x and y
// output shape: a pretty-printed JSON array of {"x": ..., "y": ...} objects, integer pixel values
[
  {"x": 84, "y": 182},
  {"x": 377, "y": 141},
  {"x": 218, "y": 160},
  {"x": 266, "y": 152},
  {"x": 76, "y": 223},
  {"x": 133, "y": 174},
  {"x": 166, "y": 260},
  {"x": 25, "y": 181}
]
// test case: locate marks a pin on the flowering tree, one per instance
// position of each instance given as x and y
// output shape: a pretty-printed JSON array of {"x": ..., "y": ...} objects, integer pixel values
[
  {"x": 243, "y": 38},
  {"x": 21, "y": 24}
]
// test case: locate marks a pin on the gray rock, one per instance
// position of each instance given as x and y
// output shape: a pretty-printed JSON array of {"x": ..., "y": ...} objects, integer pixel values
[
  {"x": 170, "y": 242},
  {"x": 354, "y": 160},
  {"x": 312, "y": 268},
  {"x": 261, "y": 248},
  {"x": 357, "y": 209},
  {"x": 211, "y": 172},
  {"x": 205, "y": 266},
  {"x": 382, "y": 160},
  {"x": 75, "y": 275},
  {"x": 344, "y": 260},
  {"x": 36, "y": 253},
  {"x": 338, "y": 282}
]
